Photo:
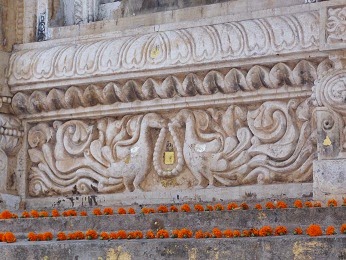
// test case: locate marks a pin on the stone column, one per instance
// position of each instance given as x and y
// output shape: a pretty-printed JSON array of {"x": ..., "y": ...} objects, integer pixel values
[{"x": 330, "y": 98}]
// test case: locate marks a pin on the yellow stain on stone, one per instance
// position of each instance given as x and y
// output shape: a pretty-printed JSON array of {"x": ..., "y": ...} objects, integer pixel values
[
  {"x": 327, "y": 141},
  {"x": 45, "y": 258},
  {"x": 261, "y": 215},
  {"x": 169, "y": 183},
  {"x": 117, "y": 254},
  {"x": 302, "y": 250},
  {"x": 192, "y": 254},
  {"x": 154, "y": 53},
  {"x": 127, "y": 160}
]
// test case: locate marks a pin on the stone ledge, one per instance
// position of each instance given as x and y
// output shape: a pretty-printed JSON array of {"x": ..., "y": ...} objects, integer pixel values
[{"x": 285, "y": 247}]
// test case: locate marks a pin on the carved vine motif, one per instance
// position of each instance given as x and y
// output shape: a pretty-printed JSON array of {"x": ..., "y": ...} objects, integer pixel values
[
  {"x": 205, "y": 44},
  {"x": 269, "y": 142},
  {"x": 336, "y": 25},
  {"x": 236, "y": 80}
]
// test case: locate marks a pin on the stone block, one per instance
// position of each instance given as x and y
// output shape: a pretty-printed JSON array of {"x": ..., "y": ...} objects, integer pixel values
[
  {"x": 9, "y": 202},
  {"x": 329, "y": 179}
]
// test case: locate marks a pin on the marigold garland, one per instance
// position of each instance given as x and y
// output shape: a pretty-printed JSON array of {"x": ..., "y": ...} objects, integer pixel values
[
  {"x": 281, "y": 205},
  {"x": 344, "y": 202},
  {"x": 280, "y": 231},
  {"x": 108, "y": 211},
  {"x": 343, "y": 229},
  {"x": 43, "y": 214},
  {"x": 175, "y": 233},
  {"x": 330, "y": 231},
  {"x": 245, "y": 233},
  {"x": 25, "y": 214},
  {"x": 55, "y": 213},
  {"x": 91, "y": 234},
  {"x": 61, "y": 236},
  {"x": 32, "y": 236},
  {"x": 314, "y": 230},
  {"x": 162, "y": 209},
  {"x": 70, "y": 213},
  {"x": 227, "y": 233},
  {"x": 173, "y": 209},
  {"x": 265, "y": 231},
  {"x": 209, "y": 208},
  {"x": 298, "y": 204},
  {"x": 199, "y": 234},
  {"x": 254, "y": 232},
  {"x": 150, "y": 234},
  {"x": 332, "y": 203},
  {"x": 121, "y": 211},
  {"x": 270, "y": 205},
  {"x": 113, "y": 235},
  {"x": 162, "y": 233},
  {"x": 218, "y": 207},
  {"x": 308, "y": 204},
  {"x": 185, "y": 208},
  {"x": 199, "y": 207},
  {"x": 317, "y": 204},
  {"x": 131, "y": 211},
  {"x": 97, "y": 212},
  {"x": 121, "y": 234},
  {"x": 83, "y": 214},
  {"x": 298, "y": 231},
  {"x": 244, "y": 206},
  {"x": 232, "y": 206},
  {"x": 104, "y": 236},
  {"x": 258, "y": 206},
  {"x": 236, "y": 233},
  {"x": 34, "y": 213},
  {"x": 9, "y": 237},
  {"x": 147, "y": 210},
  {"x": 185, "y": 233},
  {"x": 217, "y": 233}
]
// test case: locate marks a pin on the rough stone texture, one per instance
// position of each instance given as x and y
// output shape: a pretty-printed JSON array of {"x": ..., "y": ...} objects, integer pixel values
[
  {"x": 329, "y": 179},
  {"x": 288, "y": 247},
  {"x": 9, "y": 202}
]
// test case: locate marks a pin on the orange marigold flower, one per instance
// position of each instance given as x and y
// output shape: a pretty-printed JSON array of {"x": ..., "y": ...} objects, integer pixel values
[
  {"x": 71, "y": 236},
  {"x": 108, "y": 211},
  {"x": 343, "y": 229},
  {"x": 298, "y": 204},
  {"x": 79, "y": 235},
  {"x": 9, "y": 237},
  {"x": 218, "y": 207},
  {"x": 91, "y": 234},
  {"x": 332, "y": 203},
  {"x": 113, "y": 235},
  {"x": 150, "y": 234},
  {"x": 236, "y": 233},
  {"x": 162, "y": 233},
  {"x": 265, "y": 231},
  {"x": 270, "y": 205},
  {"x": 25, "y": 214},
  {"x": 258, "y": 206},
  {"x": 32, "y": 236},
  {"x": 330, "y": 231},
  {"x": 162, "y": 209},
  {"x": 97, "y": 212},
  {"x": 47, "y": 236},
  {"x": 83, "y": 214},
  {"x": 14, "y": 215},
  {"x": 281, "y": 205},
  {"x": 199, "y": 207},
  {"x": 217, "y": 233},
  {"x": 228, "y": 233},
  {"x": 232, "y": 206},
  {"x": 121, "y": 211},
  {"x": 145, "y": 210},
  {"x": 308, "y": 204},
  {"x": 298, "y": 231},
  {"x": 131, "y": 211},
  {"x": 317, "y": 204},
  {"x": 43, "y": 214},
  {"x": 199, "y": 234},
  {"x": 121, "y": 234},
  {"x": 280, "y": 231},
  {"x": 254, "y": 232},
  {"x": 138, "y": 234},
  {"x": 175, "y": 233},
  {"x": 55, "y": 213},
  {"x": 209, "y": 208},
  {"x": 40, "y": 237},
  {"x": 244, "y": 206},
  {"x": 207, "y": 235},
  {"x": 6, "y": 214},
  {"x": 104, "y": 236},
  {"x": 173, "y": 209},
  {"x": 314, "y": 230},
  {"x": 185, "y": 233},
  {"x": 185, "y": 208},
  {"x": 61, "y": 236},
  {"x": 1, "y": 237},
  {"x": 245, "y": 233},
  {"x": 70, "y": 213},
  {"x": 344, "y": 202}
]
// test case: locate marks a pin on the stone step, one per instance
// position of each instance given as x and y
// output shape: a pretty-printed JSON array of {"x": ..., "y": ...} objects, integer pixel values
[
  {"x": 235, "y": 219},
  {"x": 283, "y": 247}
]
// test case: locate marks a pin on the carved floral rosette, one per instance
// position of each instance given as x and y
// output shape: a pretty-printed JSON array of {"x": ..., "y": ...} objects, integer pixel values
[{"x": 268, "y": 142}]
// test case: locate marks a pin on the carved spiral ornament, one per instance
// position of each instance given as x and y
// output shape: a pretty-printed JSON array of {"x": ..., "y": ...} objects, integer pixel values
[{"x": 331, "y": 92}]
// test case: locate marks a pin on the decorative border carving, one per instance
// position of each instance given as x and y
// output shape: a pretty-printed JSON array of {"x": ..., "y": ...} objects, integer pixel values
[
  {"x": 336, "y": 25},
  {"x": 168, "y": 49},
  {"x": 235, "y": 80}
]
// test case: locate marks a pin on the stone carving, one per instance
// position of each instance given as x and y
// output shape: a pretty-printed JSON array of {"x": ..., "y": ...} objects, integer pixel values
[
  {"x": 198, "y": 45},
  {"x": 336, "y": 25},
  {"x": 236, "y": 80},
  {"x": 42, "y": 27},
  {"x": 263, "y": 143}
]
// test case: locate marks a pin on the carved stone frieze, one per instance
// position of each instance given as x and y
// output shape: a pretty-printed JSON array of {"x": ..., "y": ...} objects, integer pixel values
[
  {"x": 233, "y": 81},
  {"x": 336, "y": 25},
  {"x": 201, "y": 45},
  {"x": 261, "y": 143}
]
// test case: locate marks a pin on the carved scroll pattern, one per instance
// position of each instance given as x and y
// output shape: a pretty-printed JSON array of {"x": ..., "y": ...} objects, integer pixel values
[
  {"x": 336, "y": 25},
  {"x": 236, "y": 80},
  {"x": 206, "y": 44},
  {"x": 266, "y": 143}
]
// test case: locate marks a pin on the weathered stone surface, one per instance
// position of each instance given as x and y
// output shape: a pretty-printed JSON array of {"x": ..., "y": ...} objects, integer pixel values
[{"x": 287, "y": 247}]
